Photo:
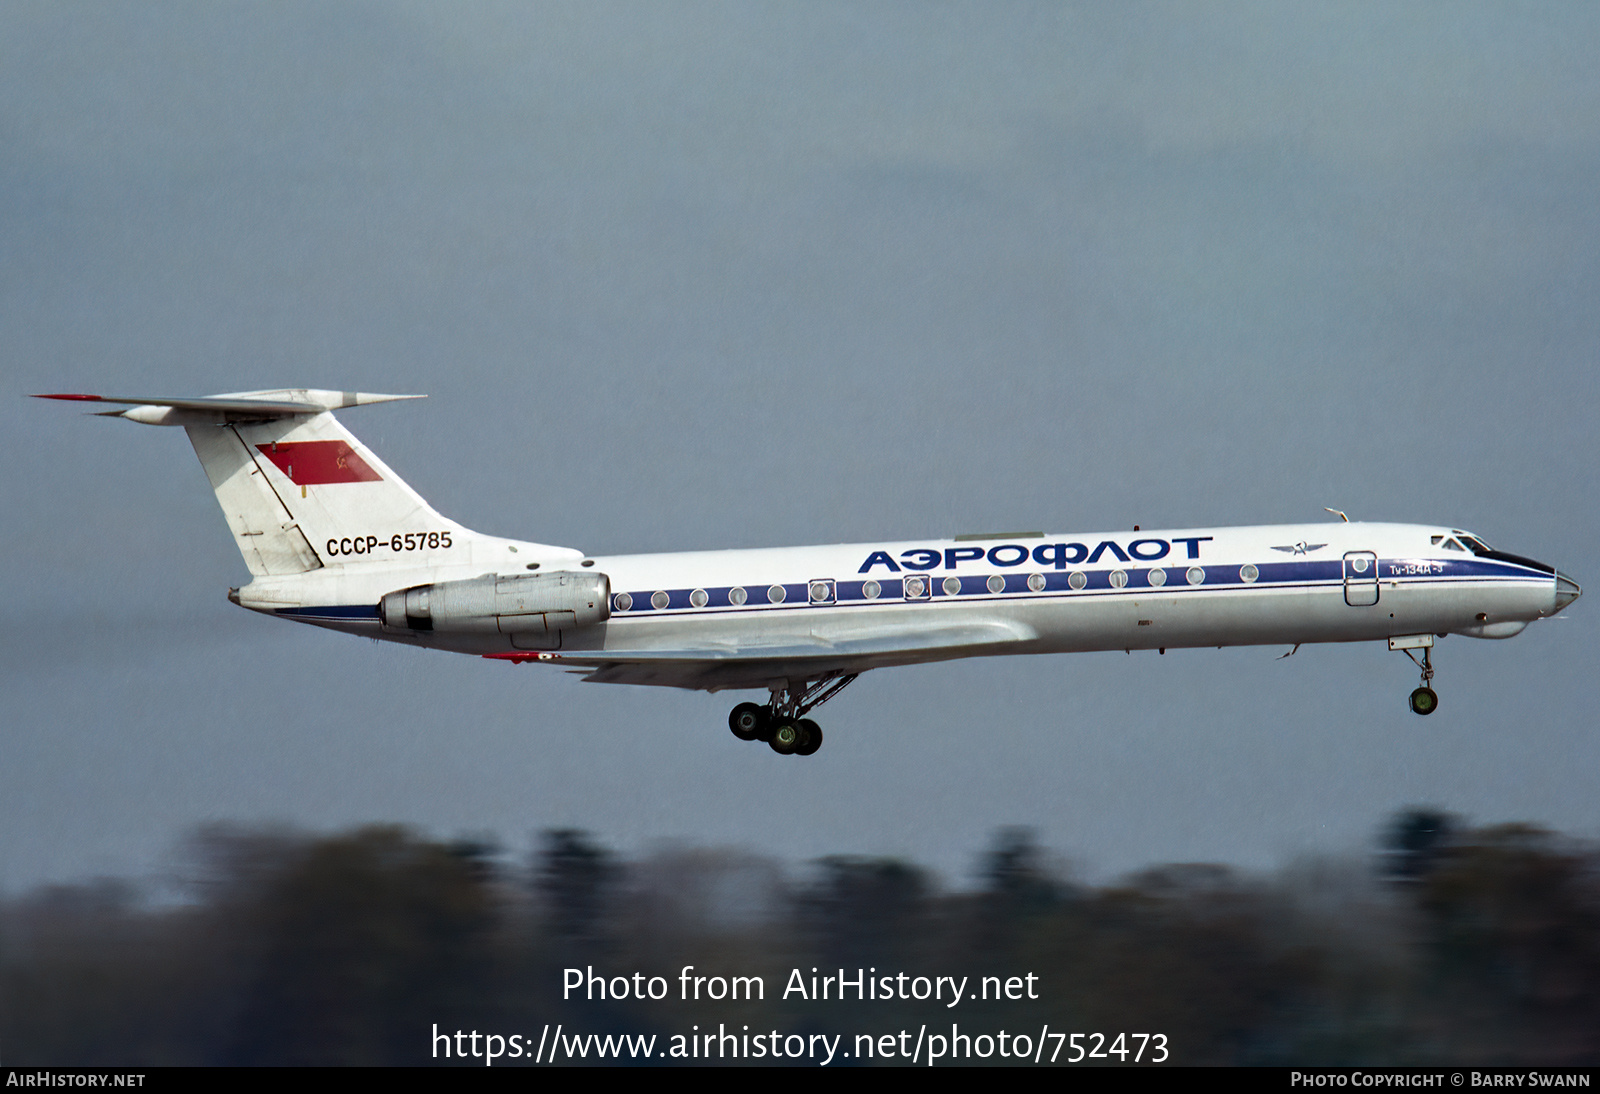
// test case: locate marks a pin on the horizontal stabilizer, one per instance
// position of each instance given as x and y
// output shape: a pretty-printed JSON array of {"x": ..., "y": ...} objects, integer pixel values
[{"x": 233, "y": 407}]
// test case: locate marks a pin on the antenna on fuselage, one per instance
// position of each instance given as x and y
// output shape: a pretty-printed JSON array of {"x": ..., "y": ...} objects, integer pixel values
[{"x": 1338, "y": 513}]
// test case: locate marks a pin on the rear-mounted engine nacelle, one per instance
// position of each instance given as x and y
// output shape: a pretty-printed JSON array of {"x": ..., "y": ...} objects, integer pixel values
[{"x": 492, "y": 604}]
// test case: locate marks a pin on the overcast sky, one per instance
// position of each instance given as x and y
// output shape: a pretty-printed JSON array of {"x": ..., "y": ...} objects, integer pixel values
[{"x": 682, "y": 276}]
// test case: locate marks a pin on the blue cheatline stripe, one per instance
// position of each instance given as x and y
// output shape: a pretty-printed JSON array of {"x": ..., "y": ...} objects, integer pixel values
[
  {"x": 1328, "y": 573},
  {"x": 1273, "y": 575}
]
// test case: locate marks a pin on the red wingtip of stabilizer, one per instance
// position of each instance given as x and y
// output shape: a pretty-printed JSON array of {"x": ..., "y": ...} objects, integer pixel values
[{"x": 74, "y": 398}]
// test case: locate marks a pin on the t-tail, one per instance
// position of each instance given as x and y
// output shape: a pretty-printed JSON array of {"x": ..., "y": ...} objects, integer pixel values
[{"x": 298, "y": 490}]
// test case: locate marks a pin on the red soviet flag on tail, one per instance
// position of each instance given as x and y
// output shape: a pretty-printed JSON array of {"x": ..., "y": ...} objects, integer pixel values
[{"x": 318, "y": 463}]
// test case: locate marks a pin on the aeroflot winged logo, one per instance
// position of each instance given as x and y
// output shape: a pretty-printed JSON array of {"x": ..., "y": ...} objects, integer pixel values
[
  {"x": 318, "y": 463},
  {"x": 1300, "y": 548}
]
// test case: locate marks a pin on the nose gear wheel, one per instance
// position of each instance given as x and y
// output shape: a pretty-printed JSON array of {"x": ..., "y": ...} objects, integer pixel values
[{"x": 1424, "y": 700}]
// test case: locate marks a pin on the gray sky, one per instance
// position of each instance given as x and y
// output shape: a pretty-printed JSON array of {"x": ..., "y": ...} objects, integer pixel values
[{"x": 694, "y": 276}]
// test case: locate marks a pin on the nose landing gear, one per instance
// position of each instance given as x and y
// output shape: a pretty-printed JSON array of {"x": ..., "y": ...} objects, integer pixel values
[
  {"x": 782, "y": 722},
  {"x": 1424, "y": 700}
]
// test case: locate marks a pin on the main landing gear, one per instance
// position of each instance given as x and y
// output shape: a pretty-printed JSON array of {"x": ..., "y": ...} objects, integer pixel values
[
  {"x": 1424, "y": 700},
  {"x": 782, "y": 722}
]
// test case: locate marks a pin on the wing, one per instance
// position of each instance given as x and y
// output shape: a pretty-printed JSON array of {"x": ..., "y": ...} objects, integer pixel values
[{"x": 721, "y": 668}]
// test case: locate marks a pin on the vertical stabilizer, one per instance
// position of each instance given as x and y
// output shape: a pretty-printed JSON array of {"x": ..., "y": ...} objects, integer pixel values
[
  {"x": 298, "y": 490},
  {"x": 268, "y": 536},
  {"x": 302, "y": 492}
]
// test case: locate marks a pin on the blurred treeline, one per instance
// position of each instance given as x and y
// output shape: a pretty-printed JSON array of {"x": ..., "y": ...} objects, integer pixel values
[{"x": 1451, "y": 944}]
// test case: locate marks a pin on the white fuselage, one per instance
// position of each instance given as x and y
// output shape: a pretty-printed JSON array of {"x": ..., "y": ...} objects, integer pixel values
[{"x": 1030, "y": 593}]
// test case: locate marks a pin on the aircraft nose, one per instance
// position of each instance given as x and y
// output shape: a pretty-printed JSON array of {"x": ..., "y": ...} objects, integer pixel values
[{"x": 1566, "y": 590}]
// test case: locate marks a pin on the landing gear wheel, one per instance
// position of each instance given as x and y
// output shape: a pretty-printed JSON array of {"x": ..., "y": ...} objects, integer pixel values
[
  {"x": 785, "y": 738},
  {"x": 747, "y": 721},
  {"x": 810, "y": 737},
  {"x": 1424, "y": 700}
]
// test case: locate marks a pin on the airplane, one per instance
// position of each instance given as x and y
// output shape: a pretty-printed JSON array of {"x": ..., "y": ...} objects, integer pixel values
[{"x": 334, "y": 538}]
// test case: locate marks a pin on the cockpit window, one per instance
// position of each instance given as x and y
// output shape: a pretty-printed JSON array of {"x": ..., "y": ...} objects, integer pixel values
[
  {"x": 1452, "y": 545},
  {"x": 1475, "y": 545},
  {"x": 1435, "y": 540}
]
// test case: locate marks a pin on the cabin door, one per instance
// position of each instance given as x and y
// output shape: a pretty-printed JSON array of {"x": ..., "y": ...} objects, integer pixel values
[{"x": 1360, "y": 579}]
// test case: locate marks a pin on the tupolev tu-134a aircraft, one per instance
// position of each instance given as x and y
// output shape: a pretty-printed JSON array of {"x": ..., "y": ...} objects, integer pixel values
[{"x": 333, "y": 537}]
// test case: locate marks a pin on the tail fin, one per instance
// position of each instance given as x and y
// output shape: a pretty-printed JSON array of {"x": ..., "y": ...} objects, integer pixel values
[
  {"x": 302, "y": 492},
  {"x": 299, "y": 491}
]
